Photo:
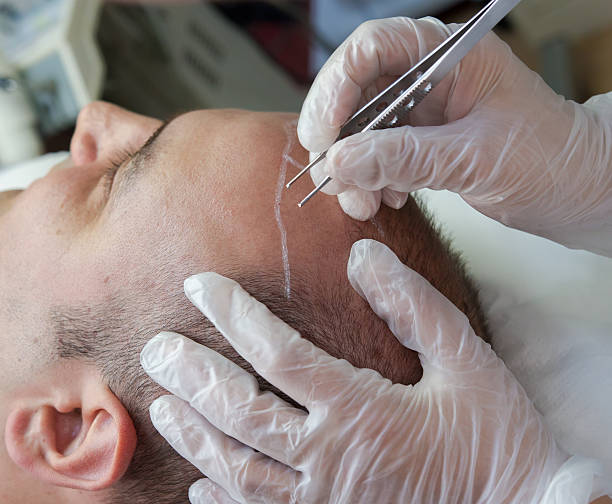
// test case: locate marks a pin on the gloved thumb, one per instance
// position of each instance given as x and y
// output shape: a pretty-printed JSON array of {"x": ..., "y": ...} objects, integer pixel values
[
  {"x": 417, "y": 314},
  {"x": 408, "y": 158},
  {"x": 205, "y": 491}
]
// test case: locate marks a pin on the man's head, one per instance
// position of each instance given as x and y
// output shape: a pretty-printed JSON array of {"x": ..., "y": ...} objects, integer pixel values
[{"x": 92, "y": 264}]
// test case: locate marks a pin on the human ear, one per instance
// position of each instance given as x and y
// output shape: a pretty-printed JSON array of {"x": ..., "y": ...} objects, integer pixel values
[{"x": 70, "y": 430}]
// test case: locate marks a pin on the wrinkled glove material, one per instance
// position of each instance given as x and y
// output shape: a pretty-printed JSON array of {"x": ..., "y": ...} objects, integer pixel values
[
  {"x": 492, "y": 131},
  {"x": 466, "y": 432}
]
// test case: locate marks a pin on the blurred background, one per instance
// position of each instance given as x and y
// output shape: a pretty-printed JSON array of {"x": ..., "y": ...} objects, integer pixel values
[{"x": 160, "y": 58}]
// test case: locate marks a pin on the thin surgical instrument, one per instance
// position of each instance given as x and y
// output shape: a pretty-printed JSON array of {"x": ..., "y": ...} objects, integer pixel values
[{"x": 391, "y": 108}]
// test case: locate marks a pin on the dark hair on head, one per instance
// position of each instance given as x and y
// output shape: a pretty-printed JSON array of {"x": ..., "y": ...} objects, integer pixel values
[{"x": 112, "y": 335}]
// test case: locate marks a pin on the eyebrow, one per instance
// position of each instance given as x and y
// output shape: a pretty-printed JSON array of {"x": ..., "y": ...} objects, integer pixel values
[{"x": 137, "y": 161}]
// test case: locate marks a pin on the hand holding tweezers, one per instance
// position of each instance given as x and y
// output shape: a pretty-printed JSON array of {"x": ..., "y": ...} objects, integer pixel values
[{"x": 391, "y": 108}]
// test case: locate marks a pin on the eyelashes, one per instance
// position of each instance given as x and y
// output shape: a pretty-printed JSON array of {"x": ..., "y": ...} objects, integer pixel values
[{"x": 116, "y": 162}]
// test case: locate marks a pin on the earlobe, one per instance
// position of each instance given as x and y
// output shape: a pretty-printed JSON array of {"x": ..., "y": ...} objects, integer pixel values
[{"x": 84, "y": 442}]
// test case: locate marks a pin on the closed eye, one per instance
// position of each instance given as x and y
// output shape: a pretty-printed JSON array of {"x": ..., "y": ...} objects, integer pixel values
[
  {"x": 124, "y": 158},
  {"x": 109, "y": 175}
]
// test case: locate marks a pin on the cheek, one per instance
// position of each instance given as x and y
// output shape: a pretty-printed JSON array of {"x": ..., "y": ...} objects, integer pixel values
[
  {"x": 23, "y": 354},
  {"x": 6, "y": 200},
  {"x": 140, "y": 236},
  {"x": 44, "y": 254},
  {"x": 37, "y": 230}
]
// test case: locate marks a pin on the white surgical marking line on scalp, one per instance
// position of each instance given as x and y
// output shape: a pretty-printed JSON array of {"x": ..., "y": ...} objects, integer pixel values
[
  {"x": 378, "y": 227},
  {"x": 292, "y": 161},
  {"x": 285, "y": 160}
]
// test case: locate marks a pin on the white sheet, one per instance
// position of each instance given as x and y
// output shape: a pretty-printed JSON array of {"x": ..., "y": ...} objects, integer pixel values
[
  {"x": 550, "y": 314},
  {"x": 23, "y": 174},
  {"x": 549, "y": 309}
]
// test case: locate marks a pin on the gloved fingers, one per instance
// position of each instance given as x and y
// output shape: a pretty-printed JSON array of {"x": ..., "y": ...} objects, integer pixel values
[
  {"x": 394, "y": 199},
  {"x": 246, "y": 475},
  {"x": 419, "y": 316},
  {"x": 205, "y": 491},
  {"x": 276, "y": 351},
  {"x": 410, "y": 158},
  {"x": 374, "y": 49},
  {"x": 355, "y": 202},
  {"x": 359, "y": 204},
  {"x": 318, "y": 172},
  {"x": 225, "y": 394}
]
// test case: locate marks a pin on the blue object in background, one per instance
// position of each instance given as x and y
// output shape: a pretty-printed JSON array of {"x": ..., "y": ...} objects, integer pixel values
[{"x": 334, "y": 20}]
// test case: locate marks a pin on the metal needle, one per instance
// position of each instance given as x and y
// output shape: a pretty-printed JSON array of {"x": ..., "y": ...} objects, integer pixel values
[
  {"x": 389, "y": 108},
  {"x": 306, "y": 168},
  {"x": 326, "y": 181}
]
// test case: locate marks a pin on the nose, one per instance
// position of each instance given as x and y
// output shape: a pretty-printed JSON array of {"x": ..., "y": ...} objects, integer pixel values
[{"x": 103, "y": 130}]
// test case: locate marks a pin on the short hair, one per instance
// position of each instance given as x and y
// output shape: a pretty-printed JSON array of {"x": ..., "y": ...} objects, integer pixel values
[{"x": 112, "y": 335}]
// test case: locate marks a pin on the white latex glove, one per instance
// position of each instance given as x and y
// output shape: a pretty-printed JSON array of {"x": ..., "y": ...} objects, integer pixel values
[
  {"x": 465, "y": 433},
  {"x": 492, "y": 131}
]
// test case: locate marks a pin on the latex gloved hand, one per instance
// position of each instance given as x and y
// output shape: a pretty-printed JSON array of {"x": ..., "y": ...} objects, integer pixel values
[
  {"x": 492, "y": 131},
  {"x": 465, "y": 433}
]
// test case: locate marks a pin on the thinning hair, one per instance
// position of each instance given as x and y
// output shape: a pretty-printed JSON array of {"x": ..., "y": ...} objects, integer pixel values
[{"x": 112, "y": 334}]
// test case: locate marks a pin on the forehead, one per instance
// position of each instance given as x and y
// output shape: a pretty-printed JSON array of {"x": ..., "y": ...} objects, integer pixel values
[
  {"x": 227, "y": 147},
  {"x": 233, "y": 166},
  {"x": 211, "y": 198}
]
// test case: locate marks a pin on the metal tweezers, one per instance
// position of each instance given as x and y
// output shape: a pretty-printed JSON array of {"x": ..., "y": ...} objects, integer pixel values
[{"x": 391, "y": 108}]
